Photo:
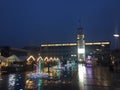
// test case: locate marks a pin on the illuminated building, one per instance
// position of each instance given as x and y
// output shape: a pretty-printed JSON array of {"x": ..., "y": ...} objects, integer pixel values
[
  {"x": 62, "y": 51},
  {"x": 68, "y": 51},
  {"x": 78, "y": 50},
  {"x": 81, "y": 45}
]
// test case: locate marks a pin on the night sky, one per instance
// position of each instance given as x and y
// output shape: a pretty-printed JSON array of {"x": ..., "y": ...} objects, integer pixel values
[{"x": 32, "y": 22}]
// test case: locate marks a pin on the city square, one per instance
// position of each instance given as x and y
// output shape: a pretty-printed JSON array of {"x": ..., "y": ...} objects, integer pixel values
[{"x": 59, "y": 45}]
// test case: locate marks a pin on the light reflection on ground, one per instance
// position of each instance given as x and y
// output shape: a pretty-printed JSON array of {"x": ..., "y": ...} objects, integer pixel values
[
  {"x": 57, "y": 80},
  {"x": 57, "y": 77},
  {"x": 81, "y": 73},
  {"x": 11, "y": 81},
  {"x": 74, "y": 78}
]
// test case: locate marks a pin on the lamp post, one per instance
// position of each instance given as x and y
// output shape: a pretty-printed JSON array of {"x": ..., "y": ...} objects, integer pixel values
[{"x": 116, "y": 40}]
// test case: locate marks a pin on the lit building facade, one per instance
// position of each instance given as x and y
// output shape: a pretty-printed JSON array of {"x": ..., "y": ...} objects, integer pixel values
[
  {"x": 78, "y": 50},
  {"x": 69, "y": 51},
  {"x": 62, "y": 51}
]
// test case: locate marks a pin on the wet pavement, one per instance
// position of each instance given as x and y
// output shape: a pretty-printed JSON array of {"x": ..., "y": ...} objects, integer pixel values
[
  {"x": 80, "y": 78},
  {"x": 99, "y": 78}
]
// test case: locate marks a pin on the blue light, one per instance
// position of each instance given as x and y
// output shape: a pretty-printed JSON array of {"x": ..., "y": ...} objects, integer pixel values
[{"x": 21, "y": 89}]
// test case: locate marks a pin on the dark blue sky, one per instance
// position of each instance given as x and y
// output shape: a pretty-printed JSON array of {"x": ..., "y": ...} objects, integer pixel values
[{"x": 32, "y": 22}]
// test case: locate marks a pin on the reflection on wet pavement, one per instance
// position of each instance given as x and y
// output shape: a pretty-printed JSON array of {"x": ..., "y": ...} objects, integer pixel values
[
  {"x": 79, "y": 78},
  {"x": 97, "y": 78}
]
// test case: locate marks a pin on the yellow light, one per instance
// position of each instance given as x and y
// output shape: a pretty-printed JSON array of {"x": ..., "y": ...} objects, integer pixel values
[
  {"x": 105, "y": 42},
  {"x": 97, "y": 43},
  {"x": 46, "y": 59},
  {"x": 51, "y": 58},
  {"x": 88, "y": 43},
  {"x": 39, "y": 58},
  {"x": 30, "y": 58},
  {"x": 65, "y": 44}
]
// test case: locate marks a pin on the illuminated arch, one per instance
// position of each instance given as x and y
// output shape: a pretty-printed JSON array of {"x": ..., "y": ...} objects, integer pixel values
[
  {"x": 46, "y": 59},
  {"x": 30, "y": 59},
  {"x": 51, "y": 59},
  {"x": 54, "y": 59},
  {"x": 57, "y": 59},
  {"x": 39, "y": 58}
]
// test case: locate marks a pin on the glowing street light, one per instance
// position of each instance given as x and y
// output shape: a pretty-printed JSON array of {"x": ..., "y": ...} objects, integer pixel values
[
  {"x": 116, "y": 35},
  {"x": 116, "y": 39}
]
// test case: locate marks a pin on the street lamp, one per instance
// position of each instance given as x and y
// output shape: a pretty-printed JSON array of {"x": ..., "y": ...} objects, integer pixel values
[{"x": 116, "y": 39}]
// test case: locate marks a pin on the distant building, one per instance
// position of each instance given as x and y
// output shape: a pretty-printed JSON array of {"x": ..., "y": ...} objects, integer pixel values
[
  {"x": 69, "y": 50},
  {"x": 63, "y": 51},
  {"x": 78, "y": 50}
]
